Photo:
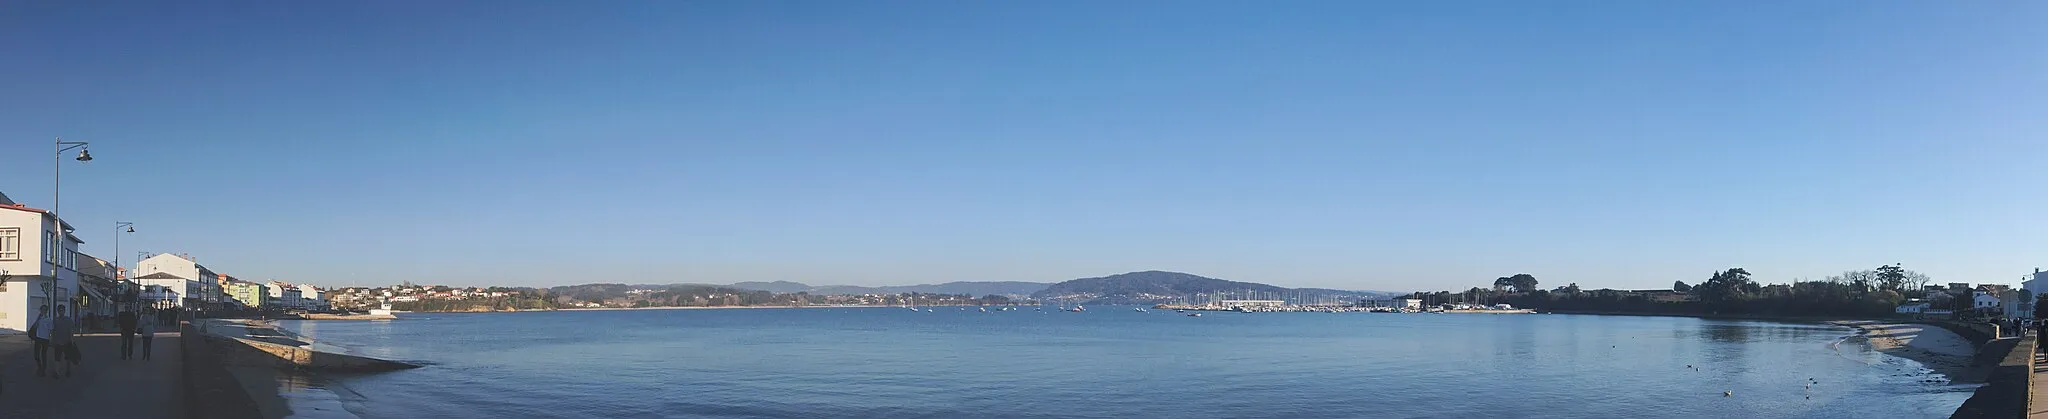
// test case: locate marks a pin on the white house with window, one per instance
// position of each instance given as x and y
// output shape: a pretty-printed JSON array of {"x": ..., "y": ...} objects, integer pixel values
[
  {"x": 285, "y": 295},
  {"x": 38, "y": 264},
  {"x": 204, "y": 287},
  {"x": 1985, "y": 301},
  {"x": 171, "y": 285},
  {"x": 2036, "y": 283},
  {"x": 2017, "y": 303}
]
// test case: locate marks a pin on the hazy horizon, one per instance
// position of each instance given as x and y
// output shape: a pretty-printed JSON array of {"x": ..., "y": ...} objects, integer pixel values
[{"x": 1327, "y": 144}]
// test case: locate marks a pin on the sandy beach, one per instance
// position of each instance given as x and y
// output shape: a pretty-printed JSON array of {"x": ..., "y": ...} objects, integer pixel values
[{"x": 1939, "y": 349}]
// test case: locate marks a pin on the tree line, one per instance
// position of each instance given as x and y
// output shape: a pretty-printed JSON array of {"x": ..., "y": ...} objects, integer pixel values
[{"x": 1733, "y": 291}]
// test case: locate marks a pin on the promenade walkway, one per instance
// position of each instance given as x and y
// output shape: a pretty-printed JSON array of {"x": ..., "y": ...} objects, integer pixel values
[
  {"x": 102, "y": 386},
  {"x": 2037, "y": 408}
]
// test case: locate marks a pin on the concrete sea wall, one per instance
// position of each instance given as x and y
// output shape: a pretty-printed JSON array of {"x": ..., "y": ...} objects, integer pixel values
[
  {"x": 2009, "y": 386},
  {"x": 211, "y": 391}
]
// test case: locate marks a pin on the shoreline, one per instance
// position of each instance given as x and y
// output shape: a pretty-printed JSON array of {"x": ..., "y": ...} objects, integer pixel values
[
  {"x": 1712, "y": 316},
  {"x": 696, "y": 308},
  {"x": 1934, "y": 347}
]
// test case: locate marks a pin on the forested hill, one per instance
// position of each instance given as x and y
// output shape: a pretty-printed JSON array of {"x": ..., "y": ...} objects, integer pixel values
[{"x": 1146, "y": 287}]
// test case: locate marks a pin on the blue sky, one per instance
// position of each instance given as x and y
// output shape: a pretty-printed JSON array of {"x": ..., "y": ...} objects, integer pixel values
[{"x": 1365, "y": 145}]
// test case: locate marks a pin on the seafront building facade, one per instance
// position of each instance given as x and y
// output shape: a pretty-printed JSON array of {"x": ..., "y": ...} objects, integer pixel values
[
  {"x": 249, "y": 294},
  {"x": 38, "y": 263},
  {"x": 203, "y": 285}
]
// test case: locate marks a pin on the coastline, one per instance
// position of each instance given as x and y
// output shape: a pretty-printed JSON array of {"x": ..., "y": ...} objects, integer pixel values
[
  {"x": 697, "y": 308},
  {"x": 1716, "y": 316},
  {"x": 1935, "y": 347}
]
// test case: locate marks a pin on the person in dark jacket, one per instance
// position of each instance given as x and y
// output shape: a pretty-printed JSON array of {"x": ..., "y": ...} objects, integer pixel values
[{"x": 126, "y": 321}]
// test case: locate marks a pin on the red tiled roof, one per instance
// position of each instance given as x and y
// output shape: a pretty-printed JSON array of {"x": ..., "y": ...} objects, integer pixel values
[{"x": 21, "y": 207}]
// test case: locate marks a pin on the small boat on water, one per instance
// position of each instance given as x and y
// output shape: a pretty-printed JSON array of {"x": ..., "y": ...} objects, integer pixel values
[
  {"x": 1078, "y": 309},
  {"x": 984, "y": 309},
  {"x": 1194, "y": 314},
  {"x": 1140, "y": 309}
]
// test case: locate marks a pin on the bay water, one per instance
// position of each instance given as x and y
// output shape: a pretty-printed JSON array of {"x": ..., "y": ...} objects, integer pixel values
[{"x": 1112, "y": 362}]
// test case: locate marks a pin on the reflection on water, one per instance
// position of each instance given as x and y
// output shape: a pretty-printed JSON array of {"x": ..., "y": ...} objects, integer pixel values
[
  {"x": 311, "y": 397},
  {"x": 1117, "y": 364}
]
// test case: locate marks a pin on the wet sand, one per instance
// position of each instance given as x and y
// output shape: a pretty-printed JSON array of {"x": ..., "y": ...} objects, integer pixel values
[{"x": 1939, "y": 349}]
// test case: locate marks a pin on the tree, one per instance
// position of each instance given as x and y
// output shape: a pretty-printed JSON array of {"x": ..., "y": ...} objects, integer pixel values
[
  {"x": 1503, "y": 283},
  {"x": 1572, "y": 288},
  {"x": 1680, "y": 286},
  {"x": 1726, "y": 287},
  {"x": 1890, "y": 277},
  {"x": 1522, "y": 282},
  {"x": 2041, "y": 306}
]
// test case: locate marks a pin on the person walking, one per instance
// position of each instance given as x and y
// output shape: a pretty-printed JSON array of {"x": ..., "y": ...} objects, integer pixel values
[
  {"x": 39, "y": 333},
  {"x": 147, "y": 330},
  {"x": 126, "y": 321},
  {"x": 61, "y": 327}
]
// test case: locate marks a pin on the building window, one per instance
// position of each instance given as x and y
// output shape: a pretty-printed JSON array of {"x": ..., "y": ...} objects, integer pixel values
[
  {"x": 10, "y": 243},
  {"x": 49, "y": 242}
]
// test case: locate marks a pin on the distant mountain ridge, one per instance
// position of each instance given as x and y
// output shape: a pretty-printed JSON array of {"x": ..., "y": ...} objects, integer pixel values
[
  {"x": 974, "y": 288},
  {"x": 1151, "y": 287}
]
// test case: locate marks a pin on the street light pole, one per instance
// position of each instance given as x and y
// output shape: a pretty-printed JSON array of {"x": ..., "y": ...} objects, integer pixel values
[{"x": 57, "y": 207}]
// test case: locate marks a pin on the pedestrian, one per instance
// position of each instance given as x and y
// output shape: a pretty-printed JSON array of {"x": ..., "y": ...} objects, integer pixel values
[
  {"x": 60, "y": 341},
  {"x": 147, "y": 331},
  {"x": 40, "y": 335},
  {"x": 126, "y": 321}
]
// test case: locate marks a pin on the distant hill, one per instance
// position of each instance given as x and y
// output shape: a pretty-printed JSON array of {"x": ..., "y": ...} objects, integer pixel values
[
  {"x": 973, "y": 288},
  {"x": 1151, "y": 287},
  {"x": 784, "y": 287}
]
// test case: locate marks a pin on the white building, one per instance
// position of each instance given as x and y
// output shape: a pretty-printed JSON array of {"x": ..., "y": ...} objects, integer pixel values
[
  {"x": 205, "y": 286},
  {"x": 2017, "y": 303},
  {"x": 37, "y": 263},
  {"x": 1407, "y": 303},
  {"x": 1911, "y": 308},
  {"x": 1985, "y": 301},
  {"x": 285, "y": 295},
  {"x": 2037, "y": 283},
  {"x": 313, "y": 298},
  {"x": 168, "y": 285}
]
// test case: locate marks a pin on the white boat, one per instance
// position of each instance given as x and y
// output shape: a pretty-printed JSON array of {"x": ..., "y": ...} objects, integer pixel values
[
  {"x": 1194, "y": 314},
  {"x": 1139, "y": 309}
]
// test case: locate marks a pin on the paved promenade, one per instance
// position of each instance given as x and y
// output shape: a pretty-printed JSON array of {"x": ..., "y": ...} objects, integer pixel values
[
  {"x": 102, "y": 386},
  {"x": 2038, "y": 407}
]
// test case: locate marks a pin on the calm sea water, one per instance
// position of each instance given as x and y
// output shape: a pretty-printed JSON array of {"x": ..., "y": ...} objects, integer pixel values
[{"x": 1115, "y": 363}]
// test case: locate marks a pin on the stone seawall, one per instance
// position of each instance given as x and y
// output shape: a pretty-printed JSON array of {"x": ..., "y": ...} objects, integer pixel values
[
  {"x": 2009, "y": 385},
  {"x": 211, "y": 391}
]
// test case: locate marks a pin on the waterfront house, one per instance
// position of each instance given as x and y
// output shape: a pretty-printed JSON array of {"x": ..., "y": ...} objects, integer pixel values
[
  {"x": 96, "y": 286},
  {"x": 1407, "y": 303},
  {"x": 2036, "y": 283},
  {"x": 1911, "y": 308},
  {"x": 169, "y": 285},
  {"x": 1985, "y": 302},
  {"x": 312, "y": 297},
  {"x": 38, "y": 264},
  {"x": 203, "y": 287},
  {"x": 250, "y": 294},
  {"x": 284, "y": 295},
  {"x": 2017, "y": 303}
]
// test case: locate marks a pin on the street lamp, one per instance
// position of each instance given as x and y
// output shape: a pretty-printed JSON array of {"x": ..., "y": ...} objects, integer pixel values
[
  {"x": 56, "y": 207},
  {"x": 124, "y": 290}
]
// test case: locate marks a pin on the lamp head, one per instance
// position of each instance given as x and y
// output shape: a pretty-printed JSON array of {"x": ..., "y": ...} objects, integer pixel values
[
  {"x": 84, "y": 155},
  {"x": 131, "y": 229}
]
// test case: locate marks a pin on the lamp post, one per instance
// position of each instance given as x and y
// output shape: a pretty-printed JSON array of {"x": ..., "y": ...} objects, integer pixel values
[
  {"x": 56, "y": 207},
  {"x": 124, "y": 285}
]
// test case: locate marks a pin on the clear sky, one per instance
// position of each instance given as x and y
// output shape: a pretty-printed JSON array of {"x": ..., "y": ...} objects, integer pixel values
[{"x": 1396, "y": 145}]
